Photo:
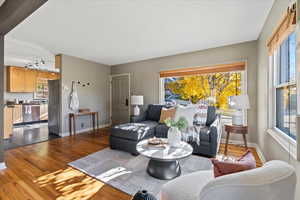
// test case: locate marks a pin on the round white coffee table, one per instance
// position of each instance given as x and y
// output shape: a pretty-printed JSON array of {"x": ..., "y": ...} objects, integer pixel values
[{"x": 163, "y": 162}]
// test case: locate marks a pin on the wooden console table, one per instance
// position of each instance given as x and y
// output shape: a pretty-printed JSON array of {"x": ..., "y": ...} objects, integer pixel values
[
  {"x": 238, "y": 130},
  {"x": 73, "y": 116}
]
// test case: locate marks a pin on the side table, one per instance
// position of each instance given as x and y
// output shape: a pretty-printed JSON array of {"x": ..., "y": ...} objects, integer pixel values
[
  {"x": 238, "y": 130},
  {"x": 73, "y": 116}
]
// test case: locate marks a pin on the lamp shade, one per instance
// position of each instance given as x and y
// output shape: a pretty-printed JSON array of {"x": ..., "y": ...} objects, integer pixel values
[
  {"x": 137, "y": 100},
  {"x": 239, "y": 102}
]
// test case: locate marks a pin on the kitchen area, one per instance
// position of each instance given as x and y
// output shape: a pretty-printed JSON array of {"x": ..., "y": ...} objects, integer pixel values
[{"x": 26, "y": 112}]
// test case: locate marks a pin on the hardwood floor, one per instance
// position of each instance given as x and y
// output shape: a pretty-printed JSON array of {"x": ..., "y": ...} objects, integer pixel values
[{"x": 40, "y": 171}]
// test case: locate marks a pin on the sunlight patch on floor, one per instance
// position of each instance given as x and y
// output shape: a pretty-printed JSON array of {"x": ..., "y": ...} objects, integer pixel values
[
  {"x": 70, "y": 184},
  {"x": 113, "y": 173}
]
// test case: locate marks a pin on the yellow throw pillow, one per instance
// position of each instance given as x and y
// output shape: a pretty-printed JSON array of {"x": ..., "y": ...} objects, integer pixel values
[{"x": 167, "y": 113}]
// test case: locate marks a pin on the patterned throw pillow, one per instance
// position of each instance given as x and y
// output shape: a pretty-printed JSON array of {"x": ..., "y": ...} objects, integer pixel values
[
  {"x": 200, "y": 116},
  {"x": 167, "y": 113}
]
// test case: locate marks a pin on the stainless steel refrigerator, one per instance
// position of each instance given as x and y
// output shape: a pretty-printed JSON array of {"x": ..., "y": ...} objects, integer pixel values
[{"x": 54, "y": 106}]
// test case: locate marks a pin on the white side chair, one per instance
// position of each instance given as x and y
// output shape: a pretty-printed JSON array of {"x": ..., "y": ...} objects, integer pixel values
[{"x": 276, "y": 180}]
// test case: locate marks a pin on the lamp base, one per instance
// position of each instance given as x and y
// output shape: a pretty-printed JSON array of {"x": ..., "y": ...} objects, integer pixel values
[
  {"x": 136, "y": 110},
  {"x": 237, "y": 118}
]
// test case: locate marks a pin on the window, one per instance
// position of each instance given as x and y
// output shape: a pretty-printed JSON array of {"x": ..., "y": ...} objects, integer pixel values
[
  {"x": 213, "y": 88},
  {"x": 284, "y": 90}
]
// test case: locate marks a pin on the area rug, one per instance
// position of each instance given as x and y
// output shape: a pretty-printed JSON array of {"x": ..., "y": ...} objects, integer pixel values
[{"x": 128, "y": 173}]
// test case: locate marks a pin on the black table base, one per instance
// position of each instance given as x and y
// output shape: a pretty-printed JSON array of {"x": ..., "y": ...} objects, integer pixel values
[{"x": 164, "y": 170}]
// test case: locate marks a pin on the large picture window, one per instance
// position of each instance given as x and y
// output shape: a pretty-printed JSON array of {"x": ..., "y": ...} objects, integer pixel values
[
  {"x": 285, "y": 92},
  {"x": 212, "y": 88}
]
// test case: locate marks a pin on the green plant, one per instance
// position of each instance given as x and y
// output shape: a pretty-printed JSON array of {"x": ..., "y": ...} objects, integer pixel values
[{"x": 180, "y": 124}]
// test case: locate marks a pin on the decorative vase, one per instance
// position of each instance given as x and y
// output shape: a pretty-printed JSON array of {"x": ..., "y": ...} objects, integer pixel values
[
  {"x": 174, "y": 136},
  {"x": 143, "y": 195}
]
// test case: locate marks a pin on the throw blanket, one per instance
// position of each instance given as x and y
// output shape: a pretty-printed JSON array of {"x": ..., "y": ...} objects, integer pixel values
[
  {"x": 135, "y": 127},
  {"x": 193, "y": 134}
]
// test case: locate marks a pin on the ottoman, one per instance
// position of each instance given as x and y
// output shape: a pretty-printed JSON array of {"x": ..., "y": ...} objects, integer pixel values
[{"x": 126, "y": 136}]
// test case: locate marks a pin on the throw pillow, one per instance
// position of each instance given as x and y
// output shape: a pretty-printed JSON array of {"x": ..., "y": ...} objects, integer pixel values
[
  {"x": 246, "y": 162},
  {"x": 153, "y": 112},
  {"x": 188, "y": 112},
  {"x": 167, "y": 113}
]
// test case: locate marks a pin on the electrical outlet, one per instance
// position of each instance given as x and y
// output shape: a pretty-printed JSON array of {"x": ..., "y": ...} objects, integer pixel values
[{"x": 82, "y": 125}]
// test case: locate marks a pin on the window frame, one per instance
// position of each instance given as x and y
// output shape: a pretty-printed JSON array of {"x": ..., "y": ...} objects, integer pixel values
[
  {"x": 244, "y": 87},
  {"x": 273, "y": 86}
]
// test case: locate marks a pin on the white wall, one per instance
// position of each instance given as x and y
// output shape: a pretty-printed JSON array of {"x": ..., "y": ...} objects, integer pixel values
[
  {"x": 271, "y": 149},
  {"x": 96, "y": 96},
  {"x": 145, "y": 74}
]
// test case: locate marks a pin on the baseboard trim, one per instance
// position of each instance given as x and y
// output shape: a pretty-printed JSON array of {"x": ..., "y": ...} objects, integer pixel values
[
  {"x": 2, "y": 166},
  {"x": 254, "y": 145},
  {"x": 84, "y": 130}
]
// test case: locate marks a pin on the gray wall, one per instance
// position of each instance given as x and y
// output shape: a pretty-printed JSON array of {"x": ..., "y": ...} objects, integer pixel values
[
  {"x": 145, "y": 74},
  {"x": 1, "y": 97},
  {"x": 96, "y": 96},
  {"x": 271, "y": 149}
]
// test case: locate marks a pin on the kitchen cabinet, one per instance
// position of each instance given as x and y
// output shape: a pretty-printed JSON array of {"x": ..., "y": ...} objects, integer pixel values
[
  {"x": 15, "y": 79},
  {"x": 43, "y": 75},
  {"x": 20, "y": 79},
  {"x": 30, "y": 80},
  {"x": 8, "y": 122},
  {"x": 48, "y": 75},
  {"x": 52, "y": 76},
  {"x": 17, "y": 114}
]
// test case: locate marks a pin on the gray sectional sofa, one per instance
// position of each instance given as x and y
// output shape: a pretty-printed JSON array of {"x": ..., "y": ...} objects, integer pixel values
[{"x": 126, "y": 136}]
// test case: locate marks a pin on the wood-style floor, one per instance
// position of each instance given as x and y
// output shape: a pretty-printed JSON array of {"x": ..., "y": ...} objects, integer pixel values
[{"x": 41, "y": 171}]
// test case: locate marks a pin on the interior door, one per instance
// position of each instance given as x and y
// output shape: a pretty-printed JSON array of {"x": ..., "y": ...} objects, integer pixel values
[{"x": 120, "y": 99}]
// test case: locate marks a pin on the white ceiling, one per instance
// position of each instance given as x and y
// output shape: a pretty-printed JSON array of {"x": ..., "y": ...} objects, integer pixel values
[
  {"x": 120, "y": 31},
  {"x": 20, "y": 53}
]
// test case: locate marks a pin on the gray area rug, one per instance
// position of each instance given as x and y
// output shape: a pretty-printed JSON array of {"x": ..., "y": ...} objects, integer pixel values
[{"x": 128, "y": 173}]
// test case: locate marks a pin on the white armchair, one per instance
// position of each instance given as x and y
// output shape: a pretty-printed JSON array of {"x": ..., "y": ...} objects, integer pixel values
[{"x": 276, "y": 180}]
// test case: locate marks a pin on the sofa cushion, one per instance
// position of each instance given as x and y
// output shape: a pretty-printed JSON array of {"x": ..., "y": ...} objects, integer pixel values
[
  {"x": 246, "y": 162},
  {"x": 211, "y": 115},
  {"x": 161, "y": 131},
  {"x": 167, "y": 113},
  {"x": 153, "y": 112},
  {"x": 134, "y": 131}
]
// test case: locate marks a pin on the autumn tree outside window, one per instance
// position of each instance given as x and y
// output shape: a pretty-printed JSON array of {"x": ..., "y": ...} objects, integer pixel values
[{"x": 212, "y": 84}]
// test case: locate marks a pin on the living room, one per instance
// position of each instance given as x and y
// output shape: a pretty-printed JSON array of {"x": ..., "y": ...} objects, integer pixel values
[{"x": 120, "y": 90}]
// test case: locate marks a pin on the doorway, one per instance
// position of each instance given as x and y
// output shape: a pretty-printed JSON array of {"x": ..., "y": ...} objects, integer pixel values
[
  {"x": 26, "y": 111},
  {"x": 120, "y": 98}
]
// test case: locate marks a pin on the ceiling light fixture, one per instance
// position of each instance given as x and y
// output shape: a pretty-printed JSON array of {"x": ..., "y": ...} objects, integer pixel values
[{"x": 35, "y": 64}]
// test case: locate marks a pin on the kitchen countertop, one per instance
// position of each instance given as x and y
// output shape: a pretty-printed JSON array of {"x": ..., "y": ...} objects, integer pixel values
[{"x": 32, "y": 103}]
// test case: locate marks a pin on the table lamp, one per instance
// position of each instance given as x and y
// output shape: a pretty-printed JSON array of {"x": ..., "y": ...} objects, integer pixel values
[
  {"x": 239, "y": 103},
  {"x": 136, "y": 101}
]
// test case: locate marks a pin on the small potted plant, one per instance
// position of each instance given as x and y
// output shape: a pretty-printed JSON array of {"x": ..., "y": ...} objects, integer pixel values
[{"x": 174, "y": 133}]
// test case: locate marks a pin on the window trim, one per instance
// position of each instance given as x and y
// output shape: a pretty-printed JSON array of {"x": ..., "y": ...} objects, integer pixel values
[
  {"x": 286, "y": 142},
  {"x": 273, "y": 85}
]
